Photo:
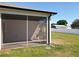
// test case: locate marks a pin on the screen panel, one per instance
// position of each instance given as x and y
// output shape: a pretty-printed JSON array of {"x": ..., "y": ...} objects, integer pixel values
[
  {"x": 14, "y": 30},
  {"x": 37, "y": 29}
]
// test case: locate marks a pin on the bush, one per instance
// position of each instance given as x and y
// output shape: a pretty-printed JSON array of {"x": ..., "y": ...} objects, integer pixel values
[{"x": 75, "y": 24}]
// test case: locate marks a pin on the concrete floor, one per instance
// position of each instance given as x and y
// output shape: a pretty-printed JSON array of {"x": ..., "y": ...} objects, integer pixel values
[{"x": 23, "y": 44}]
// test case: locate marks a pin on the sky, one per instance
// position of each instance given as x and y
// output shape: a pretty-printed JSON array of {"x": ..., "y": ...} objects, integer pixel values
[{"x": 66, "y": 10}]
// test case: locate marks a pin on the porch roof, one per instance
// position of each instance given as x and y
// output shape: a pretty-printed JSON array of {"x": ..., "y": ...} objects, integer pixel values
[{"x": 23, "y": 8}]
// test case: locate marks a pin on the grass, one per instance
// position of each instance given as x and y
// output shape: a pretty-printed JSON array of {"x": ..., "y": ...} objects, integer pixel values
[
  {"x": 66, "y": 38},
  {"x": 62, "y": 45}
]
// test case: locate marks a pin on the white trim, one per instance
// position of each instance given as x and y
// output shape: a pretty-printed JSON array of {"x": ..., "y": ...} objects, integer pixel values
[
  {"x": 50, "y": 32},
  {"x": 27, "y": 30},
  {"x": 25, "y": 14},
  {"x": 14, "y": 43},
  {"x": 47, "y": 30},
  {"x": 1, "y": 36}
]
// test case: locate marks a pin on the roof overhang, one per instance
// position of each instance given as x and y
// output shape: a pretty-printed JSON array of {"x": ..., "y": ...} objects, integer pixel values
[{"x": 28, "y": 9}]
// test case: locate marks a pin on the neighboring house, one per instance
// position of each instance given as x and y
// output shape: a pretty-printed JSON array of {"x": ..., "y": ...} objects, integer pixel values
[
  {"x": 61, "y": 27},
  {"x": 20, "y": 24}
]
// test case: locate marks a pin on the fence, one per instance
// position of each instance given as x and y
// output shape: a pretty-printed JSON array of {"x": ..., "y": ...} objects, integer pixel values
[{"x": 71, "y": 31}]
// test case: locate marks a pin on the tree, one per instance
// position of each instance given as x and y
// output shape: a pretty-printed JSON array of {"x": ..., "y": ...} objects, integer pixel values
[
  {"x": 75, "y": 24},
  {"x": 62, "y": 22}
]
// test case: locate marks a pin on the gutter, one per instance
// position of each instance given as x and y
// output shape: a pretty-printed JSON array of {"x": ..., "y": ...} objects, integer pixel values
[{"x": 28, "y": 9}]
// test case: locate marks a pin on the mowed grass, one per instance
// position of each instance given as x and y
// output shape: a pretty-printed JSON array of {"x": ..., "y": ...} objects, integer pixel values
[
  {"x": 72, "y": 39},
  {"x": 63, "y": 45}
]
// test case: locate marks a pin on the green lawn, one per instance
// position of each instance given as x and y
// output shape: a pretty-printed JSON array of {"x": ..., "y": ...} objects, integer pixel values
[{"x": 62, "y": 45}]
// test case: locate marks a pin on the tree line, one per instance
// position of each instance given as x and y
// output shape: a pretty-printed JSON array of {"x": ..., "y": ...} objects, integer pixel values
[{"x": 74, "y": 25}]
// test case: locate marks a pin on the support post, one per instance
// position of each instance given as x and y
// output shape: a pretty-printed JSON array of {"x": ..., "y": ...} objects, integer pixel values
[
  {"x": 0, "y": 33},
  {"x": 50, "y": 32},
  {"x": 27, "y": 30}
]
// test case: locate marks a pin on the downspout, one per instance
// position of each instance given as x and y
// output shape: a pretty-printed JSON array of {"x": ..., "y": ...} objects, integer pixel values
[
  {"x": 49, "y": 32},
  {"x": 49, "y": 29}
]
